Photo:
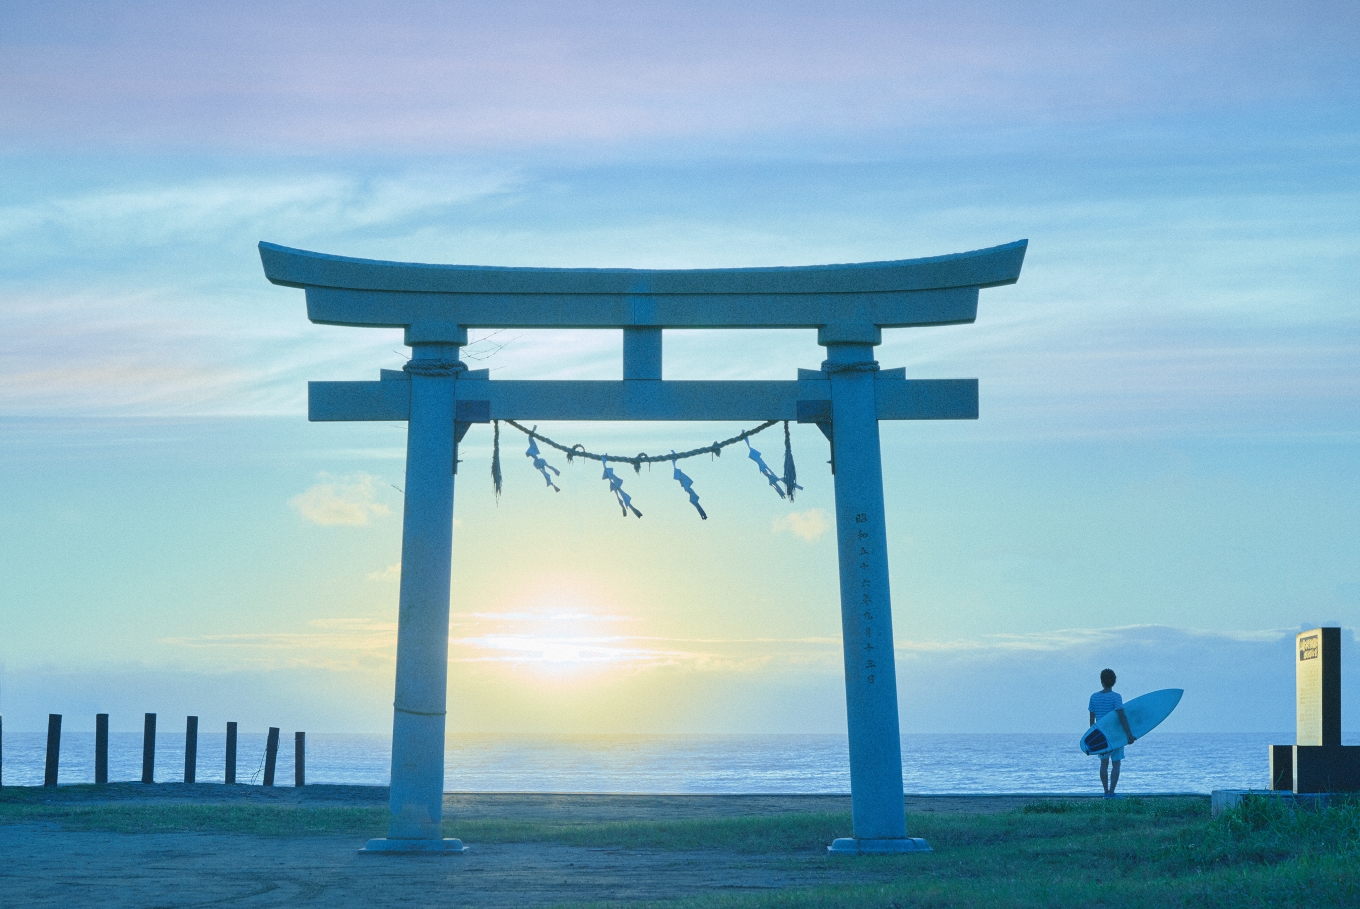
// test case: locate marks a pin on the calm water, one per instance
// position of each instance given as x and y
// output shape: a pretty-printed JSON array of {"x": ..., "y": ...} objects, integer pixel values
[{"x": 1169, "y": 762}]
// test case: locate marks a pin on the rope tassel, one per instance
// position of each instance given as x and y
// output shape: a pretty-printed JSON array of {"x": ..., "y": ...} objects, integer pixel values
[
  {"x": 496, "y": 459},
  {"x": 790, "y": 477},
  {"x": 688, "y": 486},
  {"x": 542, "y": 465},
  {"x": 765, "y": 471},
  {"x": 616, "y": 487}
]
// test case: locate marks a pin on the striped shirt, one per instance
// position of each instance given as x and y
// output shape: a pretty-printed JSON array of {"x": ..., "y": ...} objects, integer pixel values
[{"x": 1102, "y": 702}]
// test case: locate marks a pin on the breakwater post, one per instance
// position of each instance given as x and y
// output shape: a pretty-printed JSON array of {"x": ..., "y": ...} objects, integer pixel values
[
  {"x": 101, "y": 748},
  {"x": 231, "y": 753},
  {"x": 271, "y": 755},
  {"x": 299, "y": 759},
  {"x": 149, "y": 749},
  {"x": 190, "y": 749},
  {"x": 53, "y": 749}
]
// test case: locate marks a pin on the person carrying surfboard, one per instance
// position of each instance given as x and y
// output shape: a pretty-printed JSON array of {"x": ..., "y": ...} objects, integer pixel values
[{"x": 1102, "y": 702}]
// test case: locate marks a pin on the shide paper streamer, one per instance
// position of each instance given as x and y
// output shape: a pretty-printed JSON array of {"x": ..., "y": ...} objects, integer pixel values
[{"x": 542, "y": 465}]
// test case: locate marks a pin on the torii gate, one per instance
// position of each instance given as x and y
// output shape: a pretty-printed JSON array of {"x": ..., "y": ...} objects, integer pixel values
[{"x": 440, "y": 398}]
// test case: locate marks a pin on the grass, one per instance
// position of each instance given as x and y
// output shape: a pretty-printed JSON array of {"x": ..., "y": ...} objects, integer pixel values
[
  {"x": 743, "y": 834},
  {"x": 261, "y": 820},
  {"x": 1132, "y": 852},
  {"x": 1149, "y": 853}
]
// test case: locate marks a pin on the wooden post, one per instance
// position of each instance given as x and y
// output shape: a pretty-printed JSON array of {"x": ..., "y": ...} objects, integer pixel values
[
  {"x": 149, "y": 749},
  {"x": 190, "y": 749},
  {"x": 271, "y": 754},
  {"x": 53, "y": 749},
  {"x": 231, "y": 753},
  {"x": 299, "y": 759},
  {"x": 101, "y": 748}
]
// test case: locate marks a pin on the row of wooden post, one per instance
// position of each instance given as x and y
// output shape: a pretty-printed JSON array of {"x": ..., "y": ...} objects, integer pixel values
[{"x": 101, "y": 751}]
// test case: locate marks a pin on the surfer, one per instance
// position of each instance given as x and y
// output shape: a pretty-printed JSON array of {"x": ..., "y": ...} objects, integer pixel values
[{"x": 1101, "y": 703}]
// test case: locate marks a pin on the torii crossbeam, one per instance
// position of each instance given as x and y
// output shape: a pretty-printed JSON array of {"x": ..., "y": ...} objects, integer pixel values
[{"x": 440, "y": 398}]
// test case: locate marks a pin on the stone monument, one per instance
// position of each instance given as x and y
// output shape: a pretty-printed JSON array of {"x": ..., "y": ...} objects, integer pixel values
[
  {"x": 440, "y": 399},
  {"x": 1318, "y": 762}
]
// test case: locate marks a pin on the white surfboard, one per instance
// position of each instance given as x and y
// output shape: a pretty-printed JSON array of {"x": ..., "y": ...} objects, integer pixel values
[{"x": 1143, "y": 713}]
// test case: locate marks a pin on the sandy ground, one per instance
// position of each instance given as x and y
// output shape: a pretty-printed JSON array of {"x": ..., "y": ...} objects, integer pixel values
[{"x": 42, "y": 865}]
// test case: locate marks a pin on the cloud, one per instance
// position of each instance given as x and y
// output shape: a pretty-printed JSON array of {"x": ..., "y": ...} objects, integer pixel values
[
  {"x": 1234, "y": 680},
  {"x": 557, "y": 640},
  {"x": 458, "y": 75},
  {"x": 806, "y": 525},
  {"x": 390, "y": 573},
  {"x": 545, "y": 616},
  {"x": 173, "y": 213},
  {"x": 522, "y": 648},
  {"x": 341, "y": 644},
  {"x": 348, "y": 501}
]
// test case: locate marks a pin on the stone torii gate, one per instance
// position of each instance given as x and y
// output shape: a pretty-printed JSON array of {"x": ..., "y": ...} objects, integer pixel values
[{"x": 440, "y": 398}]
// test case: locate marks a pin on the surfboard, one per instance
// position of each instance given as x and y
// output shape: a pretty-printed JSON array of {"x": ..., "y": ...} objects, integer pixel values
[{"x": 1143, "y": 713}]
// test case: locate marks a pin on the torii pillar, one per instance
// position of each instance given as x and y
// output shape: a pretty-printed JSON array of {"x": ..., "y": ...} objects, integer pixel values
[
  {"x": 848, "y": 305},
  {"x": 418, "y": 710},
  {"x": 877, "y": 812}
]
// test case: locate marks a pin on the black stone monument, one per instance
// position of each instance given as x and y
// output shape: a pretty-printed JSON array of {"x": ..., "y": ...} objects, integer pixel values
[{"x": 1318, "y": 762}]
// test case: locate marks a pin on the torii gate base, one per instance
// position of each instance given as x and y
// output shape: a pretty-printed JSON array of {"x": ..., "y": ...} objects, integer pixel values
[
  {"x": 439, "y": 398},
  {"x": 428, "y": 847}
]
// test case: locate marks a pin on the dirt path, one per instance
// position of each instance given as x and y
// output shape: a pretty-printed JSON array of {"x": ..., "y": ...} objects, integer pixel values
[
  {"x": 44, "y": 866},
  {"x": 576, "y": 806}
]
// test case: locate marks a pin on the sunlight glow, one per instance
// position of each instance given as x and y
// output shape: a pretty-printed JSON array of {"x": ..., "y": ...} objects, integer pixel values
[
  {"x": 562, "y": 633},
  {"x": 523, "y": 648}
]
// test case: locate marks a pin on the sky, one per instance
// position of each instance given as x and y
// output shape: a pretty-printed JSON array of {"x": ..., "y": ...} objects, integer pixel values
[{"x": 1162, "y": 479}]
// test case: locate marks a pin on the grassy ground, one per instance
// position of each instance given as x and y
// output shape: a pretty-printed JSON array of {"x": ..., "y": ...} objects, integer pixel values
[{"x": 1129, "y": 852}]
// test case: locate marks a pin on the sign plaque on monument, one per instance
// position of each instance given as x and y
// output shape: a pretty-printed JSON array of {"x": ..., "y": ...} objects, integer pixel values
[
  {"x": 1318, "y": 762},
  {"x": 1317, "y": 673}
]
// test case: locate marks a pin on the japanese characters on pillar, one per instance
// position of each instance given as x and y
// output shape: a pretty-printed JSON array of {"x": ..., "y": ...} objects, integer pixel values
[{"x": 866, "y": 571}]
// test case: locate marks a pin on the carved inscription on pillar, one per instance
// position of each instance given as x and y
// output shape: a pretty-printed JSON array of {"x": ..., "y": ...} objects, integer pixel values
[{"x": 868, "y": 663}]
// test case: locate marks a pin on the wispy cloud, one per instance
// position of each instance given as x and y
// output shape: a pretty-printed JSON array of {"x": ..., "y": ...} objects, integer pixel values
[
  {"x": 599, "y": 640},
  {"x": 336, "y": 644},
  {"x": 348, "y": 501},
  {"x": 187, "y": 213},
  {"x": 1073, "y": 639},
  {"x": 462, "y": 75},
  {"x": 808, "y": 525},
  {"x": 390, "y": 573},
  {"x": 512, "y": 648},
  {"x": 1237, "y": 679},
  {"x": 545, "y": 616}
]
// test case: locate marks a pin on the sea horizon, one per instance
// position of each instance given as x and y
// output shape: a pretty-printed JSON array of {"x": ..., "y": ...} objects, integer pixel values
[{"x": 775, "y": 763}]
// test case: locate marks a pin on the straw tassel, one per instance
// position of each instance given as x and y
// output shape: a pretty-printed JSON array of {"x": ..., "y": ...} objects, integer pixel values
[
  {"x": 496, "y": 458},
  {"x": 790, "y": 472}
]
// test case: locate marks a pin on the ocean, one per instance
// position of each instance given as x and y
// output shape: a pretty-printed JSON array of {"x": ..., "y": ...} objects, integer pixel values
[{"x": 931, "y": 764}]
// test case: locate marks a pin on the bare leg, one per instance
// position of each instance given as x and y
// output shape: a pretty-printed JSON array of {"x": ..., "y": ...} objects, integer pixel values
[
  {"x": 1114, "y": 777},
  {"x": 1104, "y": 774}
]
